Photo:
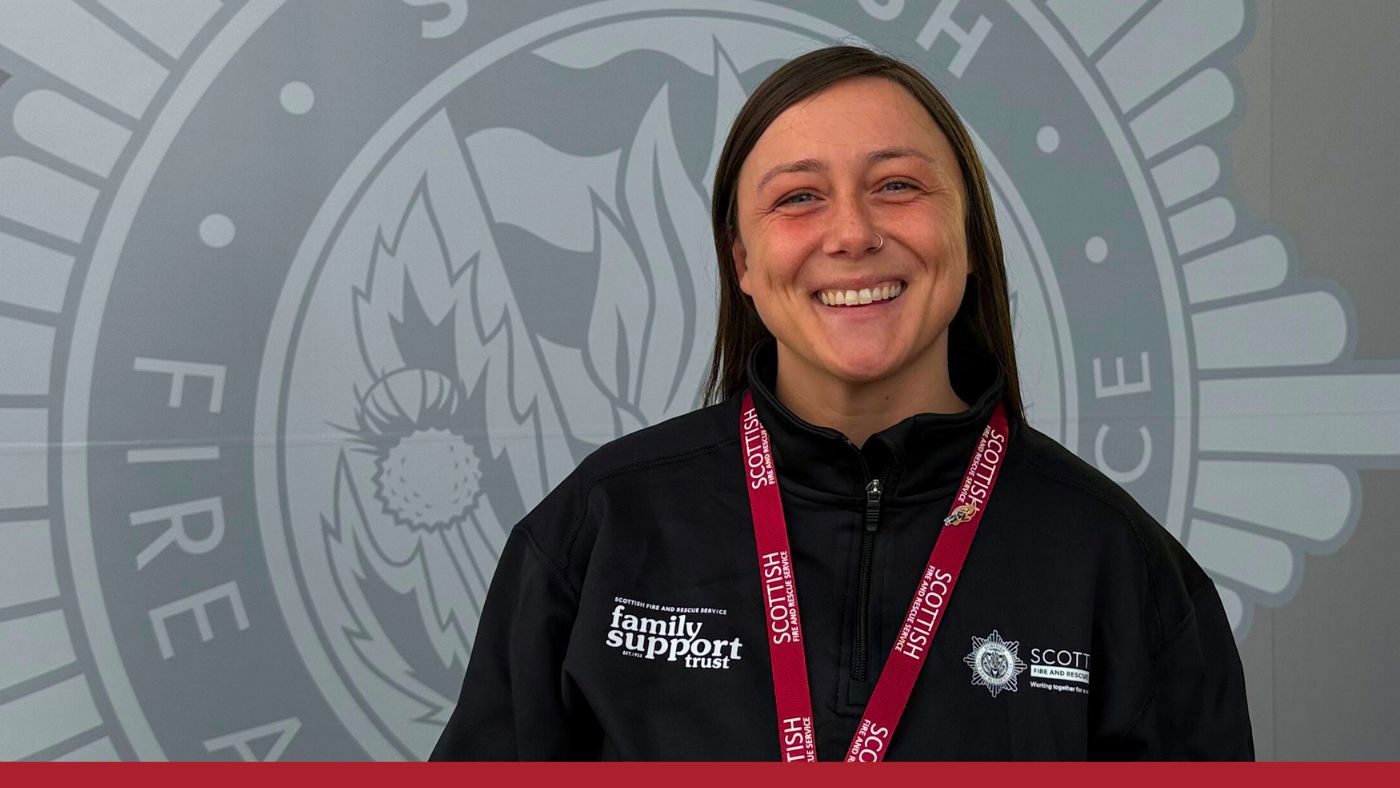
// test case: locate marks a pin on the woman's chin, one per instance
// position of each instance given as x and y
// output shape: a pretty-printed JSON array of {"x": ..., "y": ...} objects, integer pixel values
[
  {"x": 859, "y": 365},
  {"x": 849, "y": 357}
]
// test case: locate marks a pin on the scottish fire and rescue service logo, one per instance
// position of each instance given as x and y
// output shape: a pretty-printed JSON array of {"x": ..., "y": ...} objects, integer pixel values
[
  {"x": 305, "y": 338},
  {"x": 995, "y": 663}
]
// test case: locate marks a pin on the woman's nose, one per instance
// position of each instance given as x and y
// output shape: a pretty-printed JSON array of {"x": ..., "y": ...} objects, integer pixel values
[{"x": 850, "y": 232}]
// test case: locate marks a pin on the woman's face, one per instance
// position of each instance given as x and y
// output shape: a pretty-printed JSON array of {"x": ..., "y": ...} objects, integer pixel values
[{"x": 833, "y": 173}]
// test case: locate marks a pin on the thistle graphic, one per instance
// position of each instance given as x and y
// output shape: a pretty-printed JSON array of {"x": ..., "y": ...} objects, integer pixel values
[{"x": 427, "y": 476}]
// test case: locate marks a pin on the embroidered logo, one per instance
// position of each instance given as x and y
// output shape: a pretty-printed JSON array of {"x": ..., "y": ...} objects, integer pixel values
[
  {"x": 671, "y": 634},
  {"x": 1060, "y": 670},
  {"x": 994, "y": 662}
]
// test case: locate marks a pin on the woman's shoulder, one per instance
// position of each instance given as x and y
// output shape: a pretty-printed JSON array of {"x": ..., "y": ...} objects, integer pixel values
[
  {"x": 560, "y": 527},
  {"x": 1073, "y": 493},
  {"x": 1066, "y": 478},
  {"x": 1062, "y": 483},
  {"x": 676, "y": 439}
]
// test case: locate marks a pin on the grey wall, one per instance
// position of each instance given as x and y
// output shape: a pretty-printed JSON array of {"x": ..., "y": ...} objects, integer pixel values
[
  {"x": 304, "y": 303},
  {"x": 1315, "y": 153}
]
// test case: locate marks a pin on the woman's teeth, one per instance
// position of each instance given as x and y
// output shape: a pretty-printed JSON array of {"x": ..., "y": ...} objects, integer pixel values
[{"x": 865, "y": 295}]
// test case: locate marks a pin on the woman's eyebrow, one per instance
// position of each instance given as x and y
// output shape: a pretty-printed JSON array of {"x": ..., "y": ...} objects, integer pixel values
[
  {"x": 885, "y": 154},
  {"x": 801, "y": 165}
]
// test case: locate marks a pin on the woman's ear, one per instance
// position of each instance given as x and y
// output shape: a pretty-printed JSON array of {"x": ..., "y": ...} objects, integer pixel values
[{"x": 741, "y": 263}]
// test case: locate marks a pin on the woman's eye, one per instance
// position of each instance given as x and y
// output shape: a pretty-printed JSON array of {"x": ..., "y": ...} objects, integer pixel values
[
  {"x": 796, "y": 199},
  {"x": 897, "y": 186}
]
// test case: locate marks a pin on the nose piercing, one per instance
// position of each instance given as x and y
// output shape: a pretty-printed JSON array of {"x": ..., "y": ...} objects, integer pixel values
[{"x": 877, "y": 247}]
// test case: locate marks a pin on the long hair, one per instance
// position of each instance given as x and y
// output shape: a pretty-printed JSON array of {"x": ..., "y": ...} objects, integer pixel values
[{"x": 983, "y": 318}]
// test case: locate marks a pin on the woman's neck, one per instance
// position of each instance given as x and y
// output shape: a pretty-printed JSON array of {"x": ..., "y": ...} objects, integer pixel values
[{"x": 859, "y": 410}]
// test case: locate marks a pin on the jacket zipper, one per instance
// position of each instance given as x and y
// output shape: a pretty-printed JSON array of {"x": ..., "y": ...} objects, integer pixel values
[{"x": 859, "y": 659}]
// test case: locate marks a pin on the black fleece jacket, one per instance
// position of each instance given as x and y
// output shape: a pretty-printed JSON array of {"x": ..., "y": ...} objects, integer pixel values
[{"x": 625, "y": 619}]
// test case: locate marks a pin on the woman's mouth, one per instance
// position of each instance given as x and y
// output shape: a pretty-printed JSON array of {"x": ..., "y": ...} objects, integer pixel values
[{"x": 885, "y": 291}]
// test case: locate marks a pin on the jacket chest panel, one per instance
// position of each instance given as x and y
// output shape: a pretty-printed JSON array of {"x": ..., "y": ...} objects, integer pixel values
[{"x": 670, "y": 640}]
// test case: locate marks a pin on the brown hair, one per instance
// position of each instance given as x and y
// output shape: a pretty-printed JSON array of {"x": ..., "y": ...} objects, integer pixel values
[{"x": 983, "y": 318}]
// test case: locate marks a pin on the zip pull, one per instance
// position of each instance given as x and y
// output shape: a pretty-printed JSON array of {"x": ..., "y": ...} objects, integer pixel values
[{"x": 872, "y": 505}]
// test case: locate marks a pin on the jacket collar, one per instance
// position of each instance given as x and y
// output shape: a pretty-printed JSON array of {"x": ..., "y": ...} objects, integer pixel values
[{"x": 921, "y": 457}]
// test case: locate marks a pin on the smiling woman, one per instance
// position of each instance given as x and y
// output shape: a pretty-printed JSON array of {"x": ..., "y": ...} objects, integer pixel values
[
  {"x": 863, "y": 389},
  {"x": 875, "y": 206},
  {"x": 883, "y": 156}
]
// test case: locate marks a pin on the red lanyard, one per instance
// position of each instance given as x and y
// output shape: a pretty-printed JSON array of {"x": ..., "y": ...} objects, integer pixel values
[{"x": 796, "y": 735}]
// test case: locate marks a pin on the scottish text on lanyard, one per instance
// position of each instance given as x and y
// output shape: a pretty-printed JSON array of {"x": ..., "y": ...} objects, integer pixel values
[{"x": 796, "y": 735}]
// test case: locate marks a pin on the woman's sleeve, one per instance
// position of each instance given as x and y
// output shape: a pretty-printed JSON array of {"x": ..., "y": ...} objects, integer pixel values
[
  {"x": 1197, "y": 709},
  {"x": 1177, "y": 693},
  {"x": 516, "y": 701}
]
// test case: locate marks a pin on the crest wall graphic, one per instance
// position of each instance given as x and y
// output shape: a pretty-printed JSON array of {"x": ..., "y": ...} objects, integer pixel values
[{"x": 290, "y": 343}]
